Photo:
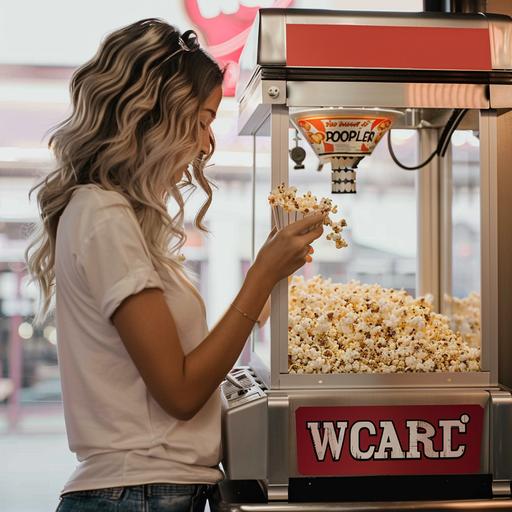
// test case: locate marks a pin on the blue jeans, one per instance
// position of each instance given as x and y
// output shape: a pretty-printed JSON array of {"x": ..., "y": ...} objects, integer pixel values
[{"x": 138, "y": 498}]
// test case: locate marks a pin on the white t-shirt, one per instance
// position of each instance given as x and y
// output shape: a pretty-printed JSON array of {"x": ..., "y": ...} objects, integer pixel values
[{"x": 121, "y": 436}]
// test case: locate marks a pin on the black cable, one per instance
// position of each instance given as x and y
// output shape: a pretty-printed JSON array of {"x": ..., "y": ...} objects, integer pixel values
[
  {"x": 442, "y": 145},
  {"x": 458, "y": 118},
  {"x": 407, "y": 167}
]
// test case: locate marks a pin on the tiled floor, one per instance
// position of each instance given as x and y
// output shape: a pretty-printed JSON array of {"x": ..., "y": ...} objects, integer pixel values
[{"x": 33, "y": 469}]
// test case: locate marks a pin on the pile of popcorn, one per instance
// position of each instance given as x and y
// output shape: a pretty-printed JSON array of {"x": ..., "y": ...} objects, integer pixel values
[
  {"x": 287, "y": 207},
  {"x": 360, "y": 328},
  {"x": 465, "y": 317}
]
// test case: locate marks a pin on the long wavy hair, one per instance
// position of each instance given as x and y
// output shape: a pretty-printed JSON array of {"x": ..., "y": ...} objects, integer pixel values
[{"x": 134, "y": 124}]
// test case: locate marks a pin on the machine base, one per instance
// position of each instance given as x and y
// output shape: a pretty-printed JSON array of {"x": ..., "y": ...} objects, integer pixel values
[
  {"x": 249, "y": 496},
  {"x": 390, "y": 488}
]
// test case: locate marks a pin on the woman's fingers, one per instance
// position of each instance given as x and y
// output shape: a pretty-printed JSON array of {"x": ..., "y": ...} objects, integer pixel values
[
  {"x": 297, "y": 228},
  {"x": 311, "y": 236},
  {"x": 307, "y": 254}
]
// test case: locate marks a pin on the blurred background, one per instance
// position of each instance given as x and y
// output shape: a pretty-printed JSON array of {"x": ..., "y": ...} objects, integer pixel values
[{"x": 41, "y": 44}]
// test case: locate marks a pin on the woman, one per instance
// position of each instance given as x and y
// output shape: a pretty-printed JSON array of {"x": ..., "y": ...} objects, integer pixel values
[{"x": 140, "y": 372}]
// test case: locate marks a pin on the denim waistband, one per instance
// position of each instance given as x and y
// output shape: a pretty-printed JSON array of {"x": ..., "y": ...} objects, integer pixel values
[{"x": 146, "y": 490}]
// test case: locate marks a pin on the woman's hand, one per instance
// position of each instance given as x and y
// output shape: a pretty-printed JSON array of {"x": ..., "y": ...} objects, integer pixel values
[{"x": 287, "y": 250}]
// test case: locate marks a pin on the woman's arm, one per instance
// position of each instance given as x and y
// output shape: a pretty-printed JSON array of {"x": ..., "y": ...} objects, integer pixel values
[
  {"x": 182, "y": 384},
  {"x": 265, "y": 314}
]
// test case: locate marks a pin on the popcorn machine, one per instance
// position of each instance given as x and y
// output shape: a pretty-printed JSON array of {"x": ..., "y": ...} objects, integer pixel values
[{"x": 360, "y": 391}]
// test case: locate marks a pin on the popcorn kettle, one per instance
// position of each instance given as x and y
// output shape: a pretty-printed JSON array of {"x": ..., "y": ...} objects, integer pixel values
[{"x": 343, "y": 137}]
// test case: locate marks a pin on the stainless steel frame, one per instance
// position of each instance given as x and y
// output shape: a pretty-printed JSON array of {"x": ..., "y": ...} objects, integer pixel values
[
  {"x": 269, "y": 49},
  {"x": 428, "y": 275},
  {"x": 496, "y": 234},
  {"x": 371, "y": 506},
  {"x": 434, "y": 248},
  {"x": 255, "y": 105},
  {"x": 445, "y": 227}
]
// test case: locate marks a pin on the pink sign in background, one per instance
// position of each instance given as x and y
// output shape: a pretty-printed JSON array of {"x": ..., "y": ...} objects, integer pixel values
[{"x": 225, "y": 35}]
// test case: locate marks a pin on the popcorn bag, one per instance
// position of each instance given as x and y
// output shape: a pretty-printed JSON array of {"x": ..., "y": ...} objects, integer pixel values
[
  {"x": 283, "y": 217},
  {"x": 288, "y": 207}
]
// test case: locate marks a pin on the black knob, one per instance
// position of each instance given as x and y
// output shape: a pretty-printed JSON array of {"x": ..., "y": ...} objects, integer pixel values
[{"x": 298, "y": 154}]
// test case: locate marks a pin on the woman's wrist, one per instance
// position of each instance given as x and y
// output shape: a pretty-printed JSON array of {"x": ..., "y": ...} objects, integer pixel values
[
  {"x": 254, "y": 294},
  {"x": 260, "y": 278}
]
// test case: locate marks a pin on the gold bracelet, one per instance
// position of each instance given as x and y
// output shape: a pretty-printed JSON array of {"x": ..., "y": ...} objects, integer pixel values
[{"x": 244, "y": 314}]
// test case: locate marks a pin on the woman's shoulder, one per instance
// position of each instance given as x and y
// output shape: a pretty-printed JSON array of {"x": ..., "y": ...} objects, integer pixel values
[
  {"x": 91, "y": 205},
  {"x": 96, "y": 201},
  {"x": 97, "y": 196}
]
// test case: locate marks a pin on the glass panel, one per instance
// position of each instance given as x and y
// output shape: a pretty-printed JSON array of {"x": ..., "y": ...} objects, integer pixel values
[
  {"x": 381, "y": 235},
  {"x": 463, "y": 304},
  {"x": 263, "y": 179},
  {"x": 374, "y": 324}
]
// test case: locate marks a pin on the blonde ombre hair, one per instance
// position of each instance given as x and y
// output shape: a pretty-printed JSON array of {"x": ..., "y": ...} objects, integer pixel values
[{"x": 134, "y": 125}]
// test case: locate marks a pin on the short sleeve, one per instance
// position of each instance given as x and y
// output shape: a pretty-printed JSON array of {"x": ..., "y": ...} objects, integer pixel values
[{"x": 115, "y": 261}]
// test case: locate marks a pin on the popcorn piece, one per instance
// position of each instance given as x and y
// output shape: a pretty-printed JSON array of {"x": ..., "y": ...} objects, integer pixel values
[
  {"x": 288, "y": 207},
  {"x": 361, "y": 328}
]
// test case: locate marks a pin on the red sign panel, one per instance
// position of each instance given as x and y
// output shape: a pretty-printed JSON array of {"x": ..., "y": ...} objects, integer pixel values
[
  {"x": 358, "y": 46},
  {"x": 389, "y": 440}
]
